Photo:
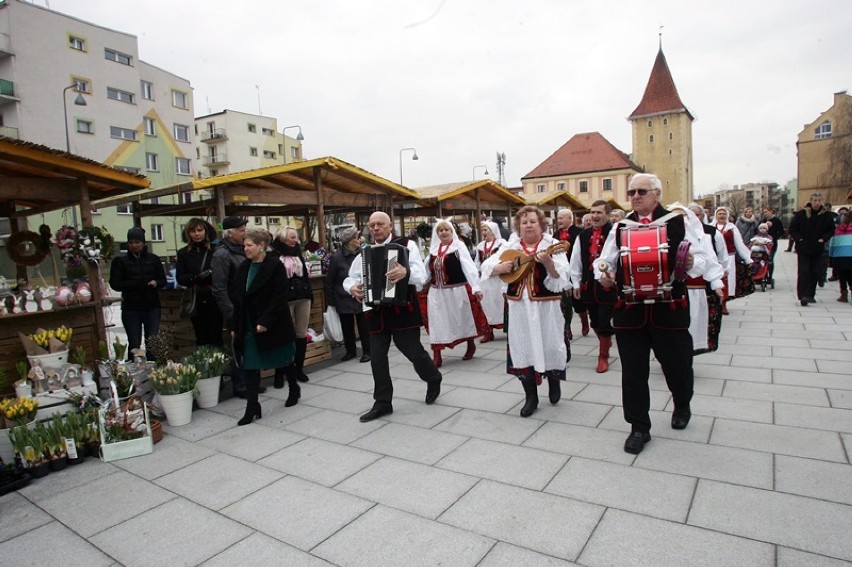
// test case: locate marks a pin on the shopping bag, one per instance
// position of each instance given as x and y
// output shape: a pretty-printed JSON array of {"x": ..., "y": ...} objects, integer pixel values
[{"x": 331, "y": 325}]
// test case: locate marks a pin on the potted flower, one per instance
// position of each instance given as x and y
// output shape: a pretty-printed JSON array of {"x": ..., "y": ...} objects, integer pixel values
[
  {"x": 14, "y": 412},
  {"x": 119, "y": 348},
  {"x": 175, "y": 384},
  {"x": 23, "y": 387},
  {"x": 209, "y": 361},
  {"x": 27, "y": 447},
  {"x": 124, "y": 430},
  {"x": 73, "y": 431},
  {"x": 86, "y": 374},
  {"x": 56, "y": 442}
]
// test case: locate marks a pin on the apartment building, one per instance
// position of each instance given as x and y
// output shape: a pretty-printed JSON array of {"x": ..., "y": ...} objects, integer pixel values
[
  {"x": 77, "y": 86},
  {"x": 824, "y": 150}
]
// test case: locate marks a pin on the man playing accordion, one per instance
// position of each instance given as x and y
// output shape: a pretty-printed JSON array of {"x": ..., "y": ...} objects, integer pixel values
[
  {"x": 392, "y": 321},
  {"x": 660, "y": 324}
]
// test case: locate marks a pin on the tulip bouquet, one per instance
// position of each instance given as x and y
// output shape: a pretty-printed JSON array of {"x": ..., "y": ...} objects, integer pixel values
[{"x": 174, "y": 378}]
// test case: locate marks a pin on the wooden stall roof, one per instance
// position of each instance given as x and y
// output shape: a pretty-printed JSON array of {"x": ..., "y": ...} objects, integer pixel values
[
  {"x": 559, "y": 199},
  {"x": 279, "y": 189},
  {"x": 45, "y": 179},
  {"x": 489, "y": 191}
]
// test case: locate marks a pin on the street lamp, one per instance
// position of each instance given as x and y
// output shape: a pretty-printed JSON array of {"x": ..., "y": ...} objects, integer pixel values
[
  {"x": 414, "y": 157},
  {"x": 474, "y": 170},
  {"x": 79, "y": 101},
  {"x": 299, "y": 138}
]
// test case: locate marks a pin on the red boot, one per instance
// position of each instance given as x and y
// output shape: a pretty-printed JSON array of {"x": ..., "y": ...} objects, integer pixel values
[
  {"x": 603, "y": 356},
  {"x": 471, "y": 348},
  {"x": 584, "y": 319},
  {"x": 436, "y": 357},
  {"x": 725, "y": 307},
  {"x": 488, "y": 337}
]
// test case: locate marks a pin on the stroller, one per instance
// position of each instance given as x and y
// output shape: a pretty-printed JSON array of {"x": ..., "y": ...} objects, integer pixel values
[{"x": 761, "y": 255}]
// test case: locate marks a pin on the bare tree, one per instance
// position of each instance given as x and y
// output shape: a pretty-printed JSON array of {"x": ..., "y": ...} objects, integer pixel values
[{"x": 736, "y": 203}]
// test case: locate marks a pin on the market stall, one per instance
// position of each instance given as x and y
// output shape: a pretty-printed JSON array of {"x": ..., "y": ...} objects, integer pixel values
[{"x": 35, "y": 179}]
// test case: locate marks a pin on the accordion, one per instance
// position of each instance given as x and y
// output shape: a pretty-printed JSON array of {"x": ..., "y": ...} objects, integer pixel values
[{"x": 377, "y": 260}]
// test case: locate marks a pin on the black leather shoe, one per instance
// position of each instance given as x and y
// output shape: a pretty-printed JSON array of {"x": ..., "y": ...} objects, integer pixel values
[
  {"x": 348, "y": 356},
  {"x": 555, "y": 390},
  {"x": 636, "y": 442},
  {"x": 375, "y": 413},
  {"x": 365, "y": 358},
  {"x": 680, "y": 418},
  {"x": 803, "y": 302},
  {"x": 240, "y": 394},
  {"x": 261, "y": 389},
  {"x": 433, "y": 390}
]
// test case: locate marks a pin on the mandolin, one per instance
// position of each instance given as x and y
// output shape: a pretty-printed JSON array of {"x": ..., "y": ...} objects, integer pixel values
[{"x": 521, "y": 261}]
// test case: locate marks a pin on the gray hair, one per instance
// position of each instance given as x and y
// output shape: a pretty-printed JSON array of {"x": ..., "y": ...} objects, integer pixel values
[{"x": 348, "y": 235}]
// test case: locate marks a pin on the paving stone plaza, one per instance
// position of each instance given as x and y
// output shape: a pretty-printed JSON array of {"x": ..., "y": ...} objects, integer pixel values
[{"x": 760, "y": 477}]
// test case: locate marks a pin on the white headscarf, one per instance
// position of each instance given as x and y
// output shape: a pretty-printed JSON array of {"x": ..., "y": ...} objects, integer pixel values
[
  {"x": 495, "y": 230},
  {"x": 456, "y": 244},
  {"x": 728, "y": 224}
]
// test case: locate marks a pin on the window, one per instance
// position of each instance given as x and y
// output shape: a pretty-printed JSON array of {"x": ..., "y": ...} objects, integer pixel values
[
  {"x": 253, "y": 152},
  {"x": 147, "y": 90},
  {"x": 154, "y": 200},
  {"x": 650, "y": 123},
  {"x": 584, "y": 186},
  {"x": 294, "y": 152},
  {"x": 280, "y": 149},
  {"x": 122, "y": 133},
  {"x": 198, "y": 153},
  {"x": 651, "y": 138},
  {"x": 560, "y": 186},
  {"x": 126, "y": 168},
  {"x": 81, "y": 85},
  {"x": 77, "y": 43},
  {"x": 823, "y": 131},
  {"x": 670, "y": 152},
  {"x": 85, "y": 126},
  {"x": 117, "y": 56},
  {"x": 539, "y": 188},
  {"x": 181, "y": 133},
  {"x": 665, "y": 121},
  {"x": 267, "y": 131},
  {"x": 118, "y": 94},
  {"x": 252, "y": 128},
  {"x": 607, "y": 184},
  {"x": 182, "y": 166},
  {"x": 179, "y": 99},
  {"x": 258, "y": 220},
  {"x": 152, "y": 162},
  {"x": 269, "y": 155},
  {"x": 150, "y": 126},
  {"x": 214, "y": 172},
  {"x": 185, "y": 198},
  {"x": 123, "y": 209},
  {"x": 274, "y": 220},
  {"x": 671, "y": 136},
  {"x": 157, "y": 233}
]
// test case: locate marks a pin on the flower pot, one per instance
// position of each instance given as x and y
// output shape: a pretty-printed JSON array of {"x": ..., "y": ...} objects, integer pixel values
[
  {"x": 24, "y": 390},
  {"x": 87, "y": 377},
  {"x": 208, "y": 391},
  {"x": 58, "y": 464},
  {"x": 178, "y": 408},
  {"x": 51, "y": 360},
  {"x": 6, "y": 451},
  {"x": 39, "y": 471},
  {"x": 156, "y": 431}
]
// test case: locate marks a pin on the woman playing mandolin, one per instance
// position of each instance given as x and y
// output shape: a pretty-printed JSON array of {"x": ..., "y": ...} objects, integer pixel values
[{"x": 535, "y": 322}]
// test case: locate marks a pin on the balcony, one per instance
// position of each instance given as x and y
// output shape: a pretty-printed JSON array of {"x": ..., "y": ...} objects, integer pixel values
[
  {"x": 7, "y": 92},
  {"x": 214, "y": 136},
  {"x": 218, "y": 159},
  {"x": 9, "y": 132},
  {"x": 5, "y": 46}
]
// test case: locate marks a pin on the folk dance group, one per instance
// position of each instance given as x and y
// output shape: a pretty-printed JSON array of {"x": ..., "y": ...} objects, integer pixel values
[{"x": 530, "y": 285}]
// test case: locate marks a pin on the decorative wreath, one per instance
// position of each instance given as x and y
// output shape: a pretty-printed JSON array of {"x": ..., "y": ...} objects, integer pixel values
[
  {"x": 90, "y": 243},
  {"x": 26, "y": 240}
]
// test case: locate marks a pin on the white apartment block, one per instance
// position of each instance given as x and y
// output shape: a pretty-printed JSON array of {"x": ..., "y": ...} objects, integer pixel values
[{"x": 136, "y": 117}]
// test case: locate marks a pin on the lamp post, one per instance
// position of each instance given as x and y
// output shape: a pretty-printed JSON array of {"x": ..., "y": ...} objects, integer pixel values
[
  {"x": 79, "y": 101},
  {"x": 414, "y": 157},
  {"x": 474, "y": 170},
  {"x": 299, "y": 138}
]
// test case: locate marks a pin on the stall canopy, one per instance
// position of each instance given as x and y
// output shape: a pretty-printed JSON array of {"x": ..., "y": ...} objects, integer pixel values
[
  {"x": 318, "y": 187},
  {"x": 558, "y": 200},
  {"x": 43, "y": 179},
  {"x": 468, "y": 197}
]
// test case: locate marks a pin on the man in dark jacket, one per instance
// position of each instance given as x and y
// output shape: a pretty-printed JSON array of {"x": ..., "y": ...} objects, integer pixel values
[
  {"x": 810, "y": 229},
  {"x": 138, "y": 275}
]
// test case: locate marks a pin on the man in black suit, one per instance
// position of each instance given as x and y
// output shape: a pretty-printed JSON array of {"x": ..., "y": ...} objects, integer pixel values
[
  {"x": 400, "y": 323},
  {"x": 659, "y": 326},
  {"x": 810, "y": 229}
]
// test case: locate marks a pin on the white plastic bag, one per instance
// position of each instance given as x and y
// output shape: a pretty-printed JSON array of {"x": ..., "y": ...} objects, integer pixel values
[{"x": 331, "y": 325}]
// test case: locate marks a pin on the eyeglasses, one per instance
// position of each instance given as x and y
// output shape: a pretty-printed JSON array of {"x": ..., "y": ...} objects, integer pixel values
[{"x": 642, "y": 192}]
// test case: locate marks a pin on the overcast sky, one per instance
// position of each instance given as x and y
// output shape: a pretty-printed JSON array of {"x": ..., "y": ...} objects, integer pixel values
[{"x": 460, "y": 80}]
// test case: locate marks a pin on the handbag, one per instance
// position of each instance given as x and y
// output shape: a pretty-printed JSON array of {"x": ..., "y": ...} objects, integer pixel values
[
  {"x": 332, "y": 328},
  {"x": 189, "y": 299}
]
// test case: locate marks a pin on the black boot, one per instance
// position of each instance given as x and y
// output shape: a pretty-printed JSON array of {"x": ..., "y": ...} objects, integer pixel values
[
  {"x": 293, "y": 384},
  {"x": 252, "y": 405},
  {"x": 299, "y": 360},
  {"x": 531, "y": 390},
  {"x": 555, "y": 390},
  {"x": 279, "y": 378}
]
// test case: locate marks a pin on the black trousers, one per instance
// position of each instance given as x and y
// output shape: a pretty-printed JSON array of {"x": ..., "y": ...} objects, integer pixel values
[
  {"x": 600, "y": 318},
  {"x": 673, "y": 349},
  {"x": 347, "y": 324},
  {"x": 408, "y": 343},
  {"x": 810, "y": 269},
  {"x": 207, "y": 323}
]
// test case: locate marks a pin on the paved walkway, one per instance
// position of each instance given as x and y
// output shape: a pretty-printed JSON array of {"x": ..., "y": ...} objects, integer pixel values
[{"x": 760, "y": 477}]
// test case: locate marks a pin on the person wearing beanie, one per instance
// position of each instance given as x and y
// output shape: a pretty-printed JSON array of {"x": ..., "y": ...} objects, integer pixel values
[
  {"x": 138, "y": 275},
  {"x": 351, "y": 312}
]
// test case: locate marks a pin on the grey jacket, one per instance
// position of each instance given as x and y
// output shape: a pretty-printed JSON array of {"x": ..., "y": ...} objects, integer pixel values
[{"x": 226, "y": 259}]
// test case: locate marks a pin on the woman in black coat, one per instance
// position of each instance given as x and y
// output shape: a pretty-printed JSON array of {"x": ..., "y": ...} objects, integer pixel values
[
  {"x": 299, "y": 297},
  {"x": 262, "y": 327},
  {"x": 194, "y": 270},
  {"x": 350, "y": 310}
]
